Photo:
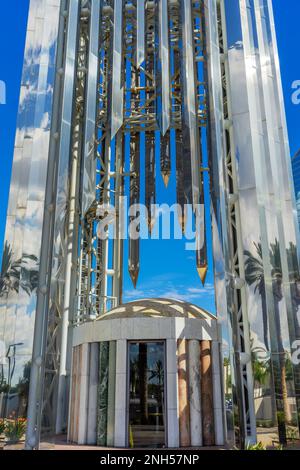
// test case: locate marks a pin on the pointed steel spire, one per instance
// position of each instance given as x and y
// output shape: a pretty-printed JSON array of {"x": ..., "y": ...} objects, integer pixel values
[
  {"x": 166, "y": 177},
  {"x": 201, "y": 258},
  {"x": 134, "y": 274},
  {"x": 202, "y": 271}
]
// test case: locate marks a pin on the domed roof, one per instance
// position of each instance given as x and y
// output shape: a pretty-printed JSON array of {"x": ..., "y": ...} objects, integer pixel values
[{"x": 157, "y": 308}]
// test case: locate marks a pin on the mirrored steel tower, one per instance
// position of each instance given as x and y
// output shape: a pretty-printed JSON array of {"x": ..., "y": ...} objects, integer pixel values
[{"x": 112, "y": 89}]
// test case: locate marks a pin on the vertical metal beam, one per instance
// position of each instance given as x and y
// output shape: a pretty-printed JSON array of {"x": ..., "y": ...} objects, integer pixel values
[
  {"x": 41, "y": 323},
  {"x": 88, "y": 193},
  {"x": 118, "y": 241},
  {"x": 234, "y": 245},
  {"x": 117, "y": 99},
  {"x": 164, "y": 56},
  {"x": 140, "y": 36},
  {"x": 190, "y": 128}
]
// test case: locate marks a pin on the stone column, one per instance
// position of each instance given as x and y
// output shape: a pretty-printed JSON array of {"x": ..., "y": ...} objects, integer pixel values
[
  {"x": 172, "y": 394},
  {"x": 218, "y": 394},
  {"x": 77, "y": 392},
  {"x": 93, "y": 392},
  {"x": 71, "y": 427},
  {"x": 111, "y": 394},
  {"x": 102, "y": 393},
  {"x": 207, "y": 394},
  {"x": 121, "y": 392},
  {"x": 83, "y": 393},
  {"x": 195, "y": 393},
  {"x": 184, "y": 412}
]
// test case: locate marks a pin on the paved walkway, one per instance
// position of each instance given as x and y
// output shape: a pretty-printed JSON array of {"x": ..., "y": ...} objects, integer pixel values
[{"x": 60, "y": 443}]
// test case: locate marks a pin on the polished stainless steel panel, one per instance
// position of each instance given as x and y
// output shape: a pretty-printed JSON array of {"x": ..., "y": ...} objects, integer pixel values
[
  {"x": 140, "y": 36},
  {"x": 117, "y": 99},
  {"x": 191, "y": 142},
  {"x": 268, "y": 243},
  {"x": 89, "y": 156},
  {"x": 164, "y": 56},
  {"x": 26, "y": 204}
]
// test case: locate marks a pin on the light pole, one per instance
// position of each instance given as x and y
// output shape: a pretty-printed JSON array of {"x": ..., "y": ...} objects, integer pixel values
[{"x": 10, "y": 371}]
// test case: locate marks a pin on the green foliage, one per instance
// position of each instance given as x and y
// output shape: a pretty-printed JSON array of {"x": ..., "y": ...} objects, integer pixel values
[
  {"x": 292, "y": 434},
  {"x": 131, "y": 442},
  {"x": 258, "y": 446},
  {"x": 2, "y": 426},
  {"x": 280, "y": 417},
  {"x": 260, "y": 371},
  {"x": 15, "y": 430},
  {"x": 264, "y": 423}
]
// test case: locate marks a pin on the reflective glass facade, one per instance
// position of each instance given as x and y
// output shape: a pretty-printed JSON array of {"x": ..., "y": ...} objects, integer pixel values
[
  {"x": 296, "y": 175},
  {"x": 268, "y": 230},
  {"x": 146, "y": 427},
  {"x": 25, "y": 216}
]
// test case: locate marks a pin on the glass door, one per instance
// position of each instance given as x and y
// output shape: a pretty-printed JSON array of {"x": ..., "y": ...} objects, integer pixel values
[{"x": 146, "y": 395}]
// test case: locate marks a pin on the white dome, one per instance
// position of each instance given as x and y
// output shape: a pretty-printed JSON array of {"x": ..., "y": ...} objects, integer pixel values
[{"x": 157, "y": 308}]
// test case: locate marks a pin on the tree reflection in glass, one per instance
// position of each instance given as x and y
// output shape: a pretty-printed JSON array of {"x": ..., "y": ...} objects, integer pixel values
[
  {"x": 10, "y": 278},
  {"x": 271, "y": 363},
  {"x": 146, "y": 395},
  {"x": 16, "y": 275}
]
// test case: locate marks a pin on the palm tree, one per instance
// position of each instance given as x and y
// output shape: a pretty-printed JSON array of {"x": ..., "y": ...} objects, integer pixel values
[
  {"x": 134, "y": 375},
  {"x": 226, "y": 364},
  {"x": 260, "y": 372},
  {"x": 10, "y": 278},
  {"x": 254, "y": 272},
  {"x": 157, "y": 372}
]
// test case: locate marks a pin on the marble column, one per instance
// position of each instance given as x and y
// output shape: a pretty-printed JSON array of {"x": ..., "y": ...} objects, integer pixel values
[
  {"x": 121, "y": 395},
  {"x": 184, "y": 412},
  {"x": 103, "y": 393},
  {"x": 83, "y": 394},
  {"x": 77, "y": 393},
  {"x": 218, "y": 394},
  {"x": 195, "y": 393},
  {"x": 172, "y": 394},
  {"x": 71, "y": 427},
  {"x": 111, "y": 393},
  {"x": 93, "y": 392},
  {"x": 207, "y": 394}
]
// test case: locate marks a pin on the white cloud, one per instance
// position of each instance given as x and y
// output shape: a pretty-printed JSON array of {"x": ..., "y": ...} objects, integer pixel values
[{"x": 198, "y": 295}]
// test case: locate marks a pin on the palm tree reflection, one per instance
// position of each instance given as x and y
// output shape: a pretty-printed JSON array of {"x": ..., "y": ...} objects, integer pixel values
[
  {"x": 255, "y": 276},
  {"x": 16, "y": 275},
  {"x": 11, "y": 278}
]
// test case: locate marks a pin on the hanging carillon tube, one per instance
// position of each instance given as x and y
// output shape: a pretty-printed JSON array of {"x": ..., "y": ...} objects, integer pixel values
[
  {"x": 136, "y": 50},
  {"x": 151, "y": 106}
]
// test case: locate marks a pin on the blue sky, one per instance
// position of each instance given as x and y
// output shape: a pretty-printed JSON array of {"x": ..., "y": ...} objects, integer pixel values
[{"x": 166, "y": 268}]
